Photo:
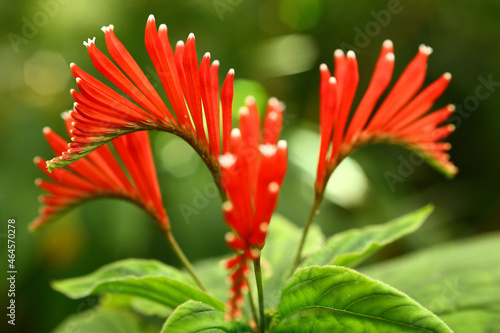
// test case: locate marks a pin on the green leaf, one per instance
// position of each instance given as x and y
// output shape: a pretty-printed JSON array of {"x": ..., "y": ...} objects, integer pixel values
[
  {"x": 104, "y": 320},
  {"x": 166, "y": 285},
  {"x": 338, "y": 299},
  {"x": 462, "y": 281},
  {"x": 283, "y": 238},
  {"x": 351, "y": 247},
  {"x": 193, "y": 317},
  {"x": 79, "y": 287}
]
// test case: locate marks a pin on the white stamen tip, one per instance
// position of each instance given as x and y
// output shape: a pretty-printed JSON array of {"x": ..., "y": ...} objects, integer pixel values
[
  {"x": 78, "y": 79},
  {"x": 46, "y": 130},
  {"x": 243, "y": 111},
  {"x": 107, "y": 28},
  {"x": 273, "y": 115},
  {"x": 273, "y": 101},
  {"x": 151, "y": 17},
  {"x": 389, "y": 56},
  {"x": 227, "y": 206},
  {"x": 264, "y": 227},
  {"x": 273, "y": 187},
  {"x": 191, "y": 36},
  {"x": 89, "y": 42},
  {"x": 250, "y": 100},
  {"x": 447, "y": 76},
  {"x": 332, "y": 80},
  {"x": 351, "y": 54},
  {"x": 235, "y": 133},
  {"x": 323, "y": 67},
  {"x": 451, "y": 107},
  {"x": 387, "y": 43},
  {"x": 338, "y": 53},
  {"x": 38, "y": 181},
  {"x": 227, "y": 160},
  {"x": 163, "y": 27},
  {"x": 425, "y": 49},
  {"x": 180, "y": 43},
  {"x": 73, "y": 123},
  {"x": 282, "y": 144},
  {"x": 268, "y": 149},
  {"x": 216, "y": 63},
  {"x": 229, "y": 236},
  {"x": 231, "y": 72}
]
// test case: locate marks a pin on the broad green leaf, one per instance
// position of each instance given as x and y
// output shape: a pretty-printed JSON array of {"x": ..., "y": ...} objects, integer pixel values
[
  {"x": 166, "y": 286},
  {"x": 351, "y": 247},
  {"x": 462, "y": 281},
  {"x": 163, "y": 290},
  {"x": 193, "y": 317},
  {"x": 79, "y": 287},
  {"x": 138, "y": 304},
  {"x": 339, "y": 299},
  {"x": 149, "y": 308},
  {"x": 100, "y": 319},
  {"x": 282, "y": 241}
]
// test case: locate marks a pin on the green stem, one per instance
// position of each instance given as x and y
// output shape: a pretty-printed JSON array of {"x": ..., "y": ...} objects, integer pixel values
[
  {"x": 258, "y": 279},
  {"x": 184, "y": 260},
  {"x": 252, "y": 305},
  {"x": 318, "y": 198}
]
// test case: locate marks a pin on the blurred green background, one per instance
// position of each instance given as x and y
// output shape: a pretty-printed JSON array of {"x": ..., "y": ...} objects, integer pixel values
[{"x": 275, "y": 48}]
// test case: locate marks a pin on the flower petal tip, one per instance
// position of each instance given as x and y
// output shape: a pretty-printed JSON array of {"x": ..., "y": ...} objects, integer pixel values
[
  {"x": 282, "y": 144},
  {"x": 387, "y": 44},
  {"x": 227, "y": 160},
  {"x": 89, "y": 42},
  {"x": 107, "y": 28},
  {"x": 235, "y": 132},
  {"x": 425, "y": 49},
  {"x": 338, "y": 53}
]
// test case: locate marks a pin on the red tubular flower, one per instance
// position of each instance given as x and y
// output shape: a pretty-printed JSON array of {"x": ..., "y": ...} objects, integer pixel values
[
  {"x": 100, "y": 174},
  {"x": 102, "y": 114},
  {"x": 252, "y": 174},
  {"x": 402, "y": 118}
]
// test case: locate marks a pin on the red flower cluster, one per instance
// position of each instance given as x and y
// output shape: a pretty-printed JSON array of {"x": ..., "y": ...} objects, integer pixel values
[
  {"x": 252, "y": 174},
  {"x": 100, "y": 174},
  {"x": 402, "y": 118},
  {"x": 249, "y": 164},
  {"x": 102, "y": 114}
]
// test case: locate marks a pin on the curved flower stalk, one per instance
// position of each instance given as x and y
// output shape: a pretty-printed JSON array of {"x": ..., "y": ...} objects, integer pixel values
[
  {"x": 403, "y": 117},
  {"x": 102, "y": 114},
  {"x": 252, "y": 174},
  {"x": 100, "y": 175}
]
